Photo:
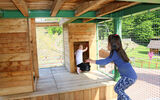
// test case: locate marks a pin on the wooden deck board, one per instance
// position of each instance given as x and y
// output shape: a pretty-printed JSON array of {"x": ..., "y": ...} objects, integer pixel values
[{"x": 59, "y": 80}]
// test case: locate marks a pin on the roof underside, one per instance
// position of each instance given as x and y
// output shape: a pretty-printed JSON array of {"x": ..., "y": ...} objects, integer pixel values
[{"x": 84, "y": 10}]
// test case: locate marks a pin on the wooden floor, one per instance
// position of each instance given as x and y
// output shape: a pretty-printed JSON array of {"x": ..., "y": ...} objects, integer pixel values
[{"x": 58, "y": 80}]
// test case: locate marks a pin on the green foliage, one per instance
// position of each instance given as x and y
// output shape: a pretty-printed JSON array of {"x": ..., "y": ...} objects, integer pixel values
[
  {"x": 55, "y": 29},
  {"x": 140, "y": 28},
  {"x": 104, "y": 29},
  {"x": 127, "y": 27},
  {"x": 144, "y": 31}
]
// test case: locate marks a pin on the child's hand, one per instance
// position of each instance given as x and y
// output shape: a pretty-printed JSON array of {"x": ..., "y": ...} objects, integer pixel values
[{"x": 85, "y": 49}]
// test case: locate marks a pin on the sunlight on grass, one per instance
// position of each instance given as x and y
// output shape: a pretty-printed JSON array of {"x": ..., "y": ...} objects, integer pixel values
[{"x": 141, "y": 59}]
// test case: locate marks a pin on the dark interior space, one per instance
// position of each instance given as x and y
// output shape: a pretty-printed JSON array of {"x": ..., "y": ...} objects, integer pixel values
[{"x": 85, "y": 54}]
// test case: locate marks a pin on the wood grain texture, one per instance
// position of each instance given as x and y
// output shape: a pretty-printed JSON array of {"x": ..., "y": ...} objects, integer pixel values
[
  {"x": 89, "y": 5},
  {"x": 112, "y": 7},
  {"x": 66, "y": 46},
  {"x": 11, "y": 66},
  {"x": 33, "y": 45},
  {"x": 46, "y": 24},
  {"x": 16, "y": 78},
  {"x": 15, "y": 90},
  {"x": 22, "y": 6},
  {"x": 142, "y": 1},
  {"x": 15, "y": 73},
  {"x": 56, "y": 7},
  {"x": 13, "y": 25},
  {"x": 15, "y": 57},
  {"x": 13, "y": 45},
  {"x": 78, "y": 95},
  {"x": 102, "y": 93},
  {"x": 80, "y": 32},
  {"x": 14, "y": 50},
  {"x": 88, "y": 94},
  {"x": 53, "y": 85}
]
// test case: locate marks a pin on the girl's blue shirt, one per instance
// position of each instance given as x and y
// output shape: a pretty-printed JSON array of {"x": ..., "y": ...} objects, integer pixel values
[{"x": 124, "y": 68}]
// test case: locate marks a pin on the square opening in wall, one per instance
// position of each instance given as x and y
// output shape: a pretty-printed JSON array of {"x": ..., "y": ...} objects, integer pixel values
[{"x": 85, "y": 54}]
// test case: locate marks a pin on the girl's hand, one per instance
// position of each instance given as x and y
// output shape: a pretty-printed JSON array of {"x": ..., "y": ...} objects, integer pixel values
[{"x": 90, "y": 61}]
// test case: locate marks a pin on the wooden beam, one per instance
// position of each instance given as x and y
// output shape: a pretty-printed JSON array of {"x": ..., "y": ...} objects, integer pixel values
[
  {"x": 47, "y": 24},
  {"x": 56, "y": 6},
  {"x": 143, "y": 1},
  {"x": 63, "y": 20},
  {"x": 112, "y": 7},
  {"x": 22, "y": 6},
  {"x": 87, "y": 6},
  {"x": 87, "y": 20},
  {"x": 71, "y": 20}
]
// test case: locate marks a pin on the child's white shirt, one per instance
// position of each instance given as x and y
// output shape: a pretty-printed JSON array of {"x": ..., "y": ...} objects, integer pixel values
[{"x": 79, "y": 56}]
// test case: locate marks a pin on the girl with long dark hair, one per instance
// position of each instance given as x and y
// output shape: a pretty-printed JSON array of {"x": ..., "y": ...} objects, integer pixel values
[{"x": 121, "y": 60}]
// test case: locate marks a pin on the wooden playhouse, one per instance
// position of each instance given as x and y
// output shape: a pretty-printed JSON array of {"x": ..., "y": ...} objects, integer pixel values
[
  {"x": 154, "y": 46},
  {"x": 20, "y": 77}
]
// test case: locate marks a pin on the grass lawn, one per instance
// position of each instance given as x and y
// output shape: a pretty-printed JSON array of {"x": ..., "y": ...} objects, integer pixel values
[{"x": 141, "y": 59}]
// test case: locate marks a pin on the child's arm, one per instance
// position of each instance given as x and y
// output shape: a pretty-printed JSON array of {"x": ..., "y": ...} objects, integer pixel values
[
  {"x": 84, "y": 50},
  {"x": 101, "y": 61},
  {"x": 104, "y": 61}
]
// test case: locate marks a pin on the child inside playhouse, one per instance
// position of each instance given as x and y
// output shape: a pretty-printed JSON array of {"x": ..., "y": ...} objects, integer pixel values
[{"x": 81, "y": 66}]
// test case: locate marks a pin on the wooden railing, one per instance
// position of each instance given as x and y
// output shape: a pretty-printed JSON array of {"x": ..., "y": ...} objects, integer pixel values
[{"x": 144, "y": 63}]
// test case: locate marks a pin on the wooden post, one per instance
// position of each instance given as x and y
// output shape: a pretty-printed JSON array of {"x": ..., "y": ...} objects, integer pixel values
[
  {"x": 141, "y": 64},
  {"x": 149, "y": 64},
  {"x": 32, "y": 33},
  {"x": 117, "y": 30},
  {"x": 156, "y": 65}
]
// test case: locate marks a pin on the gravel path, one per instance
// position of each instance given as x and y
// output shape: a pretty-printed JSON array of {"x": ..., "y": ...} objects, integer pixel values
[{"x": 147, "y": 87}]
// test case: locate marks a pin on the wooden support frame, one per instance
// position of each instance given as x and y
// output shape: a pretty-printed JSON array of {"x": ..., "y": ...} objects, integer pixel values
[
  {"x": 22, "y": 6},
  {"x": 112, "y": 7},
  {"x": 87, "y": 6},
  {"x": 71, "y": 20},
  {"x": 33, "y": 46},
  {"x": 47, "y": 24},
  {"x": 143, "y": 1},
  {"x": 56, "y": 6}
]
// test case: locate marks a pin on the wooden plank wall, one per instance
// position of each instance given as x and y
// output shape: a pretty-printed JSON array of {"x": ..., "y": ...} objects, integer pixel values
[
  {"x": 15, "y": 57},
  {"x": 79, "y": 32},
  {"x": 98, "y": 93}
]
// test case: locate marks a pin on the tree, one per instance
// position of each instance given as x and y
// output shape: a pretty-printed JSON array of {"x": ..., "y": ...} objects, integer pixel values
[
  {"x": 104, "y": 29},
  {"x": 127, "y": 26},
  {"x": 55, "y": 29},
  {"x": 101, "y": 31},
  {"x": 143, "y": 32}
]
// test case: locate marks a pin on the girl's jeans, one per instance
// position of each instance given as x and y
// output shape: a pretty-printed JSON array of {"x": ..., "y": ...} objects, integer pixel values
[{"x": 121, "y": 86}]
